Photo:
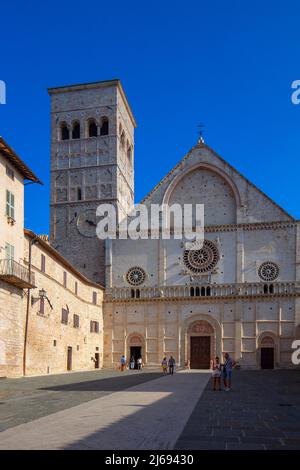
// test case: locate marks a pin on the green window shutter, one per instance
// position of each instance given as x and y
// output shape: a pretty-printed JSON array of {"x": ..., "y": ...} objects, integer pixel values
[
  {"x": 12, "y": 205},
  {"x": 7, "y": 203}
]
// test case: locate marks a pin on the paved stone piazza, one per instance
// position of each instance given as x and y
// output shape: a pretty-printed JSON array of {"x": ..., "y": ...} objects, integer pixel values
[{"x": 145, "y": 410}]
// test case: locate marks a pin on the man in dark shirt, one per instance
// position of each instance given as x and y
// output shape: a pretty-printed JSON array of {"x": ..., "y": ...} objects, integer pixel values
[{"x": 171, "y": 365}]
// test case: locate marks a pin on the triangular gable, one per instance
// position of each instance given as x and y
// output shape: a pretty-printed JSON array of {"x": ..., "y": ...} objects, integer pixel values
[{"x": 256, "y": 206}]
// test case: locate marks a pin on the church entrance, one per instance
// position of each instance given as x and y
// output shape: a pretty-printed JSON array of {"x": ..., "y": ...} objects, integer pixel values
[
  {"x": 200, "y": 352},
  {"x": 267, "y": 358},
  {"x": 136, "y": 353},
  {"x": 267, "y": 355}
]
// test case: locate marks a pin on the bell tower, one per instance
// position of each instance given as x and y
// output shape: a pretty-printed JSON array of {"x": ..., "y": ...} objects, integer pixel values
[{"x": 92, "y": 162}]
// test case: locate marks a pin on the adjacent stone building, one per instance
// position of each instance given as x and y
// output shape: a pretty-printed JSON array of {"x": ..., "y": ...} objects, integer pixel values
[{"x": 65, "y": 314}]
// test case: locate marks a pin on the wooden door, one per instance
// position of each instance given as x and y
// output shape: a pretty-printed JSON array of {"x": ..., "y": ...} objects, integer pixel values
[
  {"x": 267, "y": 358},
  {"x": 69, "y": 359},
  {"x": 96, "y": 360},
  {"x": 200, "y": 352}
]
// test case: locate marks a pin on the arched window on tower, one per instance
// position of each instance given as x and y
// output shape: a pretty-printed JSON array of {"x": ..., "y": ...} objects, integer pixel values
[
  {"x": 123, "y": 139},
  {"x": 76, "y": 130},
  {"x": 92, "y": 128},
  {"x": 64, "y": 131},
  {"x": 129, "y": 151},
  {"x": 104, "y": 126}
]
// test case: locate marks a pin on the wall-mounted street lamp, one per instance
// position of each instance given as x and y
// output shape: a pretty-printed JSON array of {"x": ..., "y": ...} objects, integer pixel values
[{"x": 42, "y": 295}]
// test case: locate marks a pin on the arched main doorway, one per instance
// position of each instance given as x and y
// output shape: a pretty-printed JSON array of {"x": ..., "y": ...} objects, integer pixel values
[
  {"x": 135, "y": 348},
  {"x": 201, "y": 342},
  {"x": 267, "y": 352}
]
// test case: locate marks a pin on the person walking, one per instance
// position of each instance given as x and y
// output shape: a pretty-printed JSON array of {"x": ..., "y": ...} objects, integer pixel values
[
  {"x": 171, "y": 364},
  {"x": 123, "y": 363},
  {"x": 132, "y": 362},
  {"x": 216, "y": 373},
  {"x": 164, "y": 365},
  {"x": 228, "y": 365},
  {"x": 140, "y": 363}
]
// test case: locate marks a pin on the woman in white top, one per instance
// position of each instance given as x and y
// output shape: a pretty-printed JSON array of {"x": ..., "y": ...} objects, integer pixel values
[
  {"x": 140, "y": 363},
  {"x": 216, "y": 373}
]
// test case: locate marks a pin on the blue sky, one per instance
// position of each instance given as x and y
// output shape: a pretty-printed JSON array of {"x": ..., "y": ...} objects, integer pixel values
[{"x": 227, "y": 64}]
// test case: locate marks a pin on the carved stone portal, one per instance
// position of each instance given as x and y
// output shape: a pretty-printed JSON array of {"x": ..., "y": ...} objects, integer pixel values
[
  {"x": 135, "y": 341},
  {"x": 267, "y": 342},
  {"x": 201, "y": 327}
]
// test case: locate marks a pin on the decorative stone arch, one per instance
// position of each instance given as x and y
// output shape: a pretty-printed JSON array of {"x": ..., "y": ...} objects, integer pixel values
[
  {"x": 206, "y": 166},
  {"x": 104, "y": 125},
  {"x": 64, "y": 128},
  {"x": 91, "y": 120},
  {"x": 199, "y": 325},
  {"x": 267, "y": 339},
  {"x": 74, "y": 128},
  {"x": 135, "y": 339}
]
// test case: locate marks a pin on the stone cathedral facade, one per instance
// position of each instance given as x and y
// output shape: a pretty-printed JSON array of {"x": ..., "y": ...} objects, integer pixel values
[{"x": 239, "y": 293}]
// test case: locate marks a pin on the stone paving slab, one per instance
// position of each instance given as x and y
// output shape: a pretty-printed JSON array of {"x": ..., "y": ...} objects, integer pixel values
[
  {"x": 29, "y": 398},
  {"x": 150, "y": 415},
  {"x": 262, "y": 411}
]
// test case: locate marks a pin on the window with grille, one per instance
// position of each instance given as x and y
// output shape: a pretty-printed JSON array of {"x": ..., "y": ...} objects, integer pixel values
[
  {"x": 75, "y": 321},
  {"x": 64, "y": 316},
  {"x": 42, "y": 305},
  {"x": 10, "y": 204},
  {"x": 94, "y": 326},
  {"x": 43, "y": 263}
]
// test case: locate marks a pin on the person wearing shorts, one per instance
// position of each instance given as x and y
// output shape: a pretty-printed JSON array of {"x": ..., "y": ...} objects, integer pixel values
[
  {"x": 227, "y": 371},
  {"x": 216, "y": 373}
]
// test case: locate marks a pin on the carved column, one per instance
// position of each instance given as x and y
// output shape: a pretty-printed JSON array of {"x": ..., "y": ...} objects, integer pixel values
[{"x": 238, "y": 330}]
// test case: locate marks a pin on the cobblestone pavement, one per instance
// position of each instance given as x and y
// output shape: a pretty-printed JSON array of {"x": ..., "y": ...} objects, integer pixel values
[
  {"x": 262, "y": 411},
  {"x": 29, "y": 398}
]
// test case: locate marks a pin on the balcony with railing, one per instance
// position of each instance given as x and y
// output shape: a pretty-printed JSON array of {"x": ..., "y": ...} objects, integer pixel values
[
  {"x": 202, "y": 292},
  {"x": 16, "y": 274}
]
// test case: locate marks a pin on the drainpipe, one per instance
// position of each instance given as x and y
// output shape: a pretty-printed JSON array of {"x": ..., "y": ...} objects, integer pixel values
[{"x": 31, "y": 242}]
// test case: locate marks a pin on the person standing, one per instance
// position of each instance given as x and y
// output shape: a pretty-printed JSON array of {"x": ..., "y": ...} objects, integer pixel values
[
  {"x": 164, "y": 365},
  {"x": 123, "y": 363},
  {"x": 140, "y": 363},
  {"x": 228, "y": 365},
  {"x": 132, "y": 362},
  {"x": 216, "y": 373},
  {"x": 171, "y": 364}
]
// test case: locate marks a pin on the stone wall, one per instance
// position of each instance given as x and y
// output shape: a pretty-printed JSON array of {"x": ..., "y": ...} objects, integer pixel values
[
  {"x": 48, "y": 337},
  {"x": 11, "y": 330},
  {"x": 239, "y": 327}
]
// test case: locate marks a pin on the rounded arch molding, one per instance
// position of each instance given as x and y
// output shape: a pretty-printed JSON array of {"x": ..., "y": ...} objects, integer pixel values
[
  {"x": 135, "y": 339},
  {"x": 206, "y": 166},
  {"x": 189, "y": 328}
]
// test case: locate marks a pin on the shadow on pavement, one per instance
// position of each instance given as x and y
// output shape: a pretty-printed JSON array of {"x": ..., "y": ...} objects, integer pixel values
[{"x": 111, "y": 384}]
